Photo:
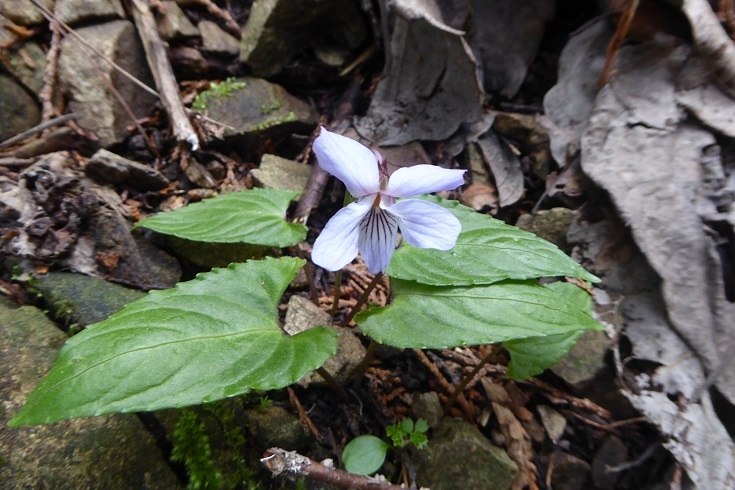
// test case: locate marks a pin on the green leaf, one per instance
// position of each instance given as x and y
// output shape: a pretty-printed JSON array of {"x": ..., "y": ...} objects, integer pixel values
[
  {"x": 572, "y": 293},
  {"x": 421, "y": 426},
  {"x": 364, "y": 455},
  {"x": 256, "y": 216},
  {"x": 531, "y": 356},
  {"x": 210, "y": 338},
  {"x": 437, "y": 317},
  {"x": 487, "y": 251}
]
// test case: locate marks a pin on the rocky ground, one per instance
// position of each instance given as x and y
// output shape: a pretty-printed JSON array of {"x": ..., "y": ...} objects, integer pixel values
[{"x": 97, "y": 132}]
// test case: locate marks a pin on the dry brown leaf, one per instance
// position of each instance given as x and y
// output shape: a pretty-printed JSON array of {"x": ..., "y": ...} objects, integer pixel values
[{"x": 519, "y": 447}]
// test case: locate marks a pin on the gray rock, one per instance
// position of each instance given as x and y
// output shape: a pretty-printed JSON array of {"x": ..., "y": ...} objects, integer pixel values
[
  {"x": 217, "y": 254},
  {"x": 506, "y": 38},
  {"x": 428, "y": 407},
  {"x": 189, "y": 59},
  {"x": 613, "y": 452},
  {"x": 302, "y": 315},
  {"x": 335, "y": 56},
  {"x": 113, "y": 451},
  {"x": 274, "y": 426},
  {"x": 277, "y": 30},
  {"x": 173, "y": 23},
  {"x": 109, "y": 168},
  {"x": 87, "y": 93},
  {"x": 279, "y": 173},
  {"x": 551, "y": 225},
  {"x": 261, "y": 110},
  {"x": 553, "y": 422},
  {"x": 459, "y": 456},
  {"x": 23, "y": 12},
  {"x": 76, "y": 11},
  {"x": 585, "y": 360},
  {"x": 80, "y": 299},
  {"x": 570, "y": 472},
  {"x": 215, "y": 40},
  {"x": 19, "y": 110},
  {"x": 15, "y": 59}
]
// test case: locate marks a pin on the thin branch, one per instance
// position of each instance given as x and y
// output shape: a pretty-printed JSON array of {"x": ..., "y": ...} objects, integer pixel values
[
  {"x": 279, "y": 461},
  {"x": 49, "y": 74},
  {"x": 617, "y": 40},
  {"x": 52, "y": 18},
  {"x": 466, "y": 380},
  {"x": 38, "y": 128},
  {"x": 230, "y": 24},
  {"x": 163, "y": 74},
  {"x": 463, "y": 403},
  {"x": 98, "y": 70},
  {"x": 711, "y": 41}
]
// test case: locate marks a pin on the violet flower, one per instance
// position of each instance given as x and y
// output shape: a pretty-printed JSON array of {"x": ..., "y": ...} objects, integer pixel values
[{"x": 371, "y": 224}]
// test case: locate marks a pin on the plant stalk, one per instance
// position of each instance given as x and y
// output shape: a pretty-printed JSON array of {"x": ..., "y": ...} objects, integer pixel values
[
  {"x": 359, "y": 371},
  {"x": 333, "y": 383},
  {"x": 337, "y": 287},
  {"x": 363, "y": 299}
]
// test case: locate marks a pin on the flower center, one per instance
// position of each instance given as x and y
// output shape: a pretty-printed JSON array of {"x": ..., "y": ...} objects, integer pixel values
[{"x": 376, "y": 203}]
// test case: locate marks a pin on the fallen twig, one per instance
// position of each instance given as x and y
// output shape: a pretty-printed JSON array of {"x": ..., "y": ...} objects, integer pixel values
[
  {"x": 279, "y": 461},
  {"x": 617, "y": 40},
  {"x": 51, "y": 17},
  {"x": 304, "y": 418},
  {"x": 318, "y": 178},
  {"x": 461, "y": 400},
  {"x": 16, "y": 162},
  {"x": 163, "y": 74},
  {"x": 711, "y": 40},
  {"x": 49, "y": 74},
  {"x": 230, "y": 24},
  {"x": 37, "y": 129},
  {"x": 582, "y": 403}
]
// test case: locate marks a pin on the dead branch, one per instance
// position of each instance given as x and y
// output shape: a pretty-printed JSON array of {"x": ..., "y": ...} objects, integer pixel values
[
  {"x": 712, "y": 41},
  {"x": 304, "y": 418},
  {"x": 163, "y": 74},
  {"x": 49, "y": 74},
  {"x": 318, "y": 178},
  {"x": 16, "y": 162},
  {"x": 51, "y": 17},
  {"x": 279, "y": 461},
  {"x": 230, "y": 24},
  {"x": 38, "y": 128},
  {"x": 617, "y": 41},
  {"x": 446, "y": 385}
]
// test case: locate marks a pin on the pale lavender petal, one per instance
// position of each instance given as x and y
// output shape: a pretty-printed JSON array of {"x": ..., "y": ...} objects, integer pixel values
[
  {"x": 349, "y": 161},
  {"x": 423, "y": 179},
  {"x": 426, "y": 225},
  {"x": 336, "y": 245},
  {"x": 378, "y": 233}
]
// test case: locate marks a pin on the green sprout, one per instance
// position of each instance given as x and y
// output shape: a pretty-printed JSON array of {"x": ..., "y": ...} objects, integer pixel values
[
  {"x": 407, "y": 432},
  {"x": 217, "y": 91}
]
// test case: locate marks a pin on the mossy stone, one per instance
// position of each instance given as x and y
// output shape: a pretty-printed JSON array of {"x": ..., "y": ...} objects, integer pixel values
[{"x": 80, "y": 299}]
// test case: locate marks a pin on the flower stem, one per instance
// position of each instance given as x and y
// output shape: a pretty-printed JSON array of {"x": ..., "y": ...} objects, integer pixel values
[
  {"x": 466, "y": 380},
  {"x": 363, "y": 299},
  {"x": 333, "y": 383},
  {"x": 359, "y": 371},
  {"x": 337, "y": 287}
]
